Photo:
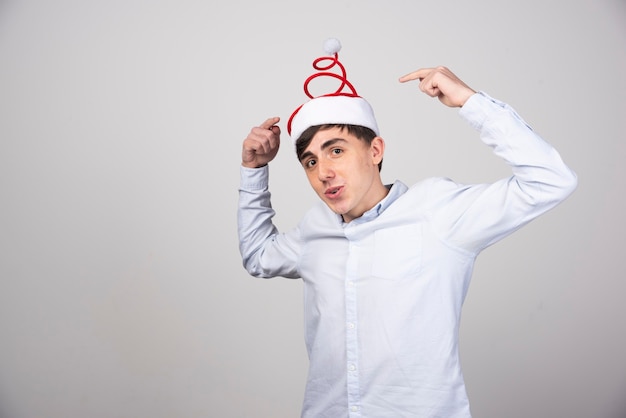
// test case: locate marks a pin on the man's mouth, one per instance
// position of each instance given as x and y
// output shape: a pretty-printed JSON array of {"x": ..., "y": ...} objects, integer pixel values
[{"x": 333, "y": 192}]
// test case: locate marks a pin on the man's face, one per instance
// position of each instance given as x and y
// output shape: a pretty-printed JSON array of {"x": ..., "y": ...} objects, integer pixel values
[{"x": 343, "y": 171}]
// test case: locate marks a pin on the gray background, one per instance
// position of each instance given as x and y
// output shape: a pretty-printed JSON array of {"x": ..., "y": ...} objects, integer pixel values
[{"x": 121, "y": 287}]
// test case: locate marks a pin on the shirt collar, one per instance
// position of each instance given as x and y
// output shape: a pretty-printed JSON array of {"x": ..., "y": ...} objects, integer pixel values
[{"x": 396, "y": 190}]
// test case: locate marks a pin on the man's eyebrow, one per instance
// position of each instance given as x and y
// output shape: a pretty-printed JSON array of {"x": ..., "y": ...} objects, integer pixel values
[
  {"x": 325, "y": 145},
  {"x": 306, "y": 155},
  {"x": 332, "y": 142}
]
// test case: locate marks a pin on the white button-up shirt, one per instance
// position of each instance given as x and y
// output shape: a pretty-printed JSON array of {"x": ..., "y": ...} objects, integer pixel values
[{"x": 383, "y": 293}]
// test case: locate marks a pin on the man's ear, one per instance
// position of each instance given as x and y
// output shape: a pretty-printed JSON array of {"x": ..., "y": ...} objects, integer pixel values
[{"x": 377, "y": 148}]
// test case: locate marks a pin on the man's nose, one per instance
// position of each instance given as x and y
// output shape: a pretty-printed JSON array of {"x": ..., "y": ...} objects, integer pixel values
[{"x": 325, "y": 170}]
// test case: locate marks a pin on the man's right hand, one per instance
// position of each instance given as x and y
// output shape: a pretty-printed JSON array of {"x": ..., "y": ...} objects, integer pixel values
[{"x": 261, "y": 145}]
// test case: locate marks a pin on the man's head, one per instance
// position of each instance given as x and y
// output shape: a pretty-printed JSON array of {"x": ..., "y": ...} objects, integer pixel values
[
  {"x": 337, "y": 142},
  {"x": 342, "y": 164}
]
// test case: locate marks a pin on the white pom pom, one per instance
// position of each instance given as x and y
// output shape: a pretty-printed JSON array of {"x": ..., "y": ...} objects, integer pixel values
[{"x": 332, "y": 46}]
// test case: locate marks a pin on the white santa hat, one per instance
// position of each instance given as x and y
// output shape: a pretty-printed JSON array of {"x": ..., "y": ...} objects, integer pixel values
[{"x": 339, "y": 107}]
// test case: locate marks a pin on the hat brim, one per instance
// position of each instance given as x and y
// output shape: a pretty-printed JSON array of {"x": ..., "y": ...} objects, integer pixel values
[{"x": 349, "y": 110}]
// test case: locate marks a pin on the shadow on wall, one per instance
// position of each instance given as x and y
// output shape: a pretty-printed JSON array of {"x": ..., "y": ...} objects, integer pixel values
[{"x": 621, "y": 410}]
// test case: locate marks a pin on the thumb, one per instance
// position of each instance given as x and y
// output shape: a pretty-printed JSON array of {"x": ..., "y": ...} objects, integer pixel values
[{"x": 275, "y": 129}]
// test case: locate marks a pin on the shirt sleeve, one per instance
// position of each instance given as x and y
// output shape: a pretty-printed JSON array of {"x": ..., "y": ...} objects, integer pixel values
[
  {"x": 265, "y": 252},
  {"x": 475, "y": 216}
]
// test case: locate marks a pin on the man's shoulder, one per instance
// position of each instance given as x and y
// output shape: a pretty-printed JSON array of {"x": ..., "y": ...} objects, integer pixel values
[
  {"x": 433, "y": 186},
  {"x": 429, "y": 192},
  {"x": 319, "y": 217}
]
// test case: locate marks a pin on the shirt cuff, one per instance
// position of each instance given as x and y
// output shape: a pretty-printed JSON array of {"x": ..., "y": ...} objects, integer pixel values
[
  {"x": 254, "y": 178},
  {"x": 478, "y": 108}
]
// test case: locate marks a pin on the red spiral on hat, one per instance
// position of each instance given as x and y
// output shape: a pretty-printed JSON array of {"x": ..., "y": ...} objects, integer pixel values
[
  {"x": 323, "y": 72},
  {"x": 334, "y": 61}
]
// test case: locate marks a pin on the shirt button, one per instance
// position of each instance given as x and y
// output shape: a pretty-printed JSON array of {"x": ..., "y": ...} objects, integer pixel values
[
  {"x": 354, "y": 408},
  {"x": 351, "y": 283},
  {"x": 351, "y": 367},
  {"x": 350, "y": 325}
]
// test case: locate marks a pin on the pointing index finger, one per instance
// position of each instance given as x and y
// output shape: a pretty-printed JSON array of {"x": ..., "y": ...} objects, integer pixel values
[
  {"x": 415, "y": 75},
  {"x": 269, "y": 122}
]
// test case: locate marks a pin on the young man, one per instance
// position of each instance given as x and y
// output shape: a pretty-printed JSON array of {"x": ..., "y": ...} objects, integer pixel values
[{"x": 386, "y": 267}]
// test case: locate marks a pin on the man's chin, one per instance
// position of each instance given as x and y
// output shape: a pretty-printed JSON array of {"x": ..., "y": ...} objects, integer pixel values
[{"x": 335, "y": 208}]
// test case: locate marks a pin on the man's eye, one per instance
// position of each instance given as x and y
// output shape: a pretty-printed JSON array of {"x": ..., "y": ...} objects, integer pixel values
[
  {"x": 310, "y": 163},
  {"x": 336, "y": 151}
]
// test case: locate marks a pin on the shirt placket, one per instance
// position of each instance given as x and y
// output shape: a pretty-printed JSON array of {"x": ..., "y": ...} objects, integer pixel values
[{"x": 352, "y": 347}]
